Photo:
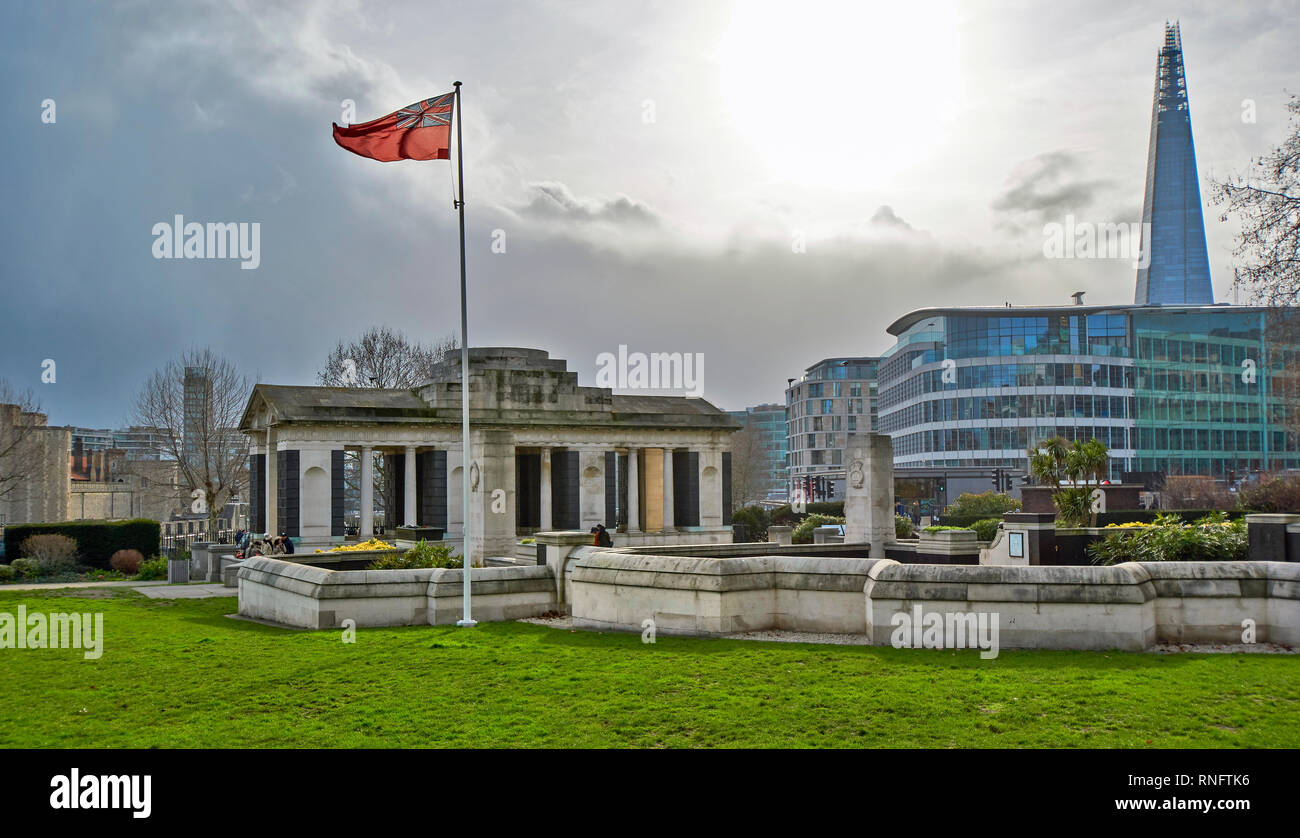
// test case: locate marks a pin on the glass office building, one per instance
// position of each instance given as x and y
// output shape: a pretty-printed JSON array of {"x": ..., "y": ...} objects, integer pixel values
[{"x": 1175, "y": 389}]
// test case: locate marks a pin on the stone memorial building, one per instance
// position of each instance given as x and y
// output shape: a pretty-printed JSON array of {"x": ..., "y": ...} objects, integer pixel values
[{"x": 545, "y": 454}]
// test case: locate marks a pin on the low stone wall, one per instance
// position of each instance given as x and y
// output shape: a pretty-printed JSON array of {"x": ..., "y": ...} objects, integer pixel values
[
  {"x": 342, "y": 559},
  {"x": 1036, "y": 607},
  {"x": 689, "y": 595},
  {"x": 1206, "y": 602},
  {"x": 299, "y": 595},
  {"x": 685, "y": 535},
  {"x": 1130, "y": 606}
]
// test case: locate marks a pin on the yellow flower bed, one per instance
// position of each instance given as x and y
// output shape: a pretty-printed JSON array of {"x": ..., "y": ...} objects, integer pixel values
[
  {"x": 372, "y": 544},
  {"x": 1128, "y": 525}
]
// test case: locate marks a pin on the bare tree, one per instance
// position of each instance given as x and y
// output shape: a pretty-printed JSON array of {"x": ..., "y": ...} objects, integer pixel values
[
  {"x": 1194, "y": 492},
  {"x": 196, "y": 403},
  {"x": 384, "y": 359},
  {"x": 751, "y": 470},
  {"x": 1267, "y": 202},
  {"x": 19, "y": 419},
  {"x": 1267, "y": 258}
]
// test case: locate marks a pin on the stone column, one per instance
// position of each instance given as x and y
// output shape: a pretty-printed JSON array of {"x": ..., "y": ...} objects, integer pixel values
[
  {"x": 272, "y": 479},
  {"x": 408, "y": 516},
  {"x": 494, "y": 532},
  {"x": 710, "y": 477},
  {"x": 544, "y": 522},
  {"x": 591, "y": 490},
  {"x": 455, "y": 499},
  {"x": 367, "y": 492},
  {"x": 633, "y": 492},
  {"x": 869, "y": 491},
  {"x": 668, "y": 489}
]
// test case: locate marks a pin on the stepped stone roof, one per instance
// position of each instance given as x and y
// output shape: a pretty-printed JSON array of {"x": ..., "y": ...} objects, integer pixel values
[{"x": 508, "y": 386}]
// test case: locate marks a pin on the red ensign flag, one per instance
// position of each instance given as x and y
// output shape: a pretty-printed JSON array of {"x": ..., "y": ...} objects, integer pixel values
[{"x": 417, "y": 132}]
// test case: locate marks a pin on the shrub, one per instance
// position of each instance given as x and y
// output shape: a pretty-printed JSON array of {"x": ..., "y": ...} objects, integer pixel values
[
  {"x": 423, "y": 554},
  {"x": 127, "y": 561},
  {"x": 1275, "y": 494},
  {"x": 155, "y": 568},
  {"x": 6, "y": 573},
  {"x": 52, "y": 553},
  {"x": 903, "y": 527},
  {"x": 754, "y": 520},
  {"x": 97, "y": 541},
  {"x": 25, "y": 568},
  {"x": 986, "y": 528},
  {"x": 1073, "y": 506},
  {"x": 939, "y": 528},
  {"x": 803, "y": 533},
  {"x": 1211, "y": 538},
  {"x": 988, "y": 504}
]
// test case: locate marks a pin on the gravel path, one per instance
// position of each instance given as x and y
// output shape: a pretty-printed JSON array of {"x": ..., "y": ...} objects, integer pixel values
[
  {"x": 552, "y": 622},
  {"x": 768, "y": 635},
  {"x": 1225, "y": 648},
  {"x": 778, "y": 636}
]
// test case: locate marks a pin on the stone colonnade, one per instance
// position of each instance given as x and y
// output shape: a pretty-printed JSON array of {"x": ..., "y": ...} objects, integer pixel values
[{"x": 517, "y": 483}]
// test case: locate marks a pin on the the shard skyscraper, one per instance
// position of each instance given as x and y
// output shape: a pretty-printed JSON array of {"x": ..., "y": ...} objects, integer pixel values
[{"x": 1178, "y": 268}]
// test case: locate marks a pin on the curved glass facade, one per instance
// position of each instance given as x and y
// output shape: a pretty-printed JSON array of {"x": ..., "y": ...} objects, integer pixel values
[{"x": 1167, "y": 389}]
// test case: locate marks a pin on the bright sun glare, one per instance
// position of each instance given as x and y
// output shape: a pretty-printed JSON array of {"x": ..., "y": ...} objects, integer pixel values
[{"x": 840, "y": 94}]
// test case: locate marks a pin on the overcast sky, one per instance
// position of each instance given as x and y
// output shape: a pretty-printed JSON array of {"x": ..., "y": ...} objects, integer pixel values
[{"x": 653, "y": 167}]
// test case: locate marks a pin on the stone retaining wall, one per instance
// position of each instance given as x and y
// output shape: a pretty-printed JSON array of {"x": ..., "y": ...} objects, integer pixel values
[
  {"x": 688, "y": 595},
  {"x": 311, "y": 597},
  {"x": 1130, "y": 606}
]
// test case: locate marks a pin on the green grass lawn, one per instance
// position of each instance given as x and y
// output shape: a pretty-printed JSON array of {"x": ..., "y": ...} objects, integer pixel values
[{"x": 182, "y": 674}]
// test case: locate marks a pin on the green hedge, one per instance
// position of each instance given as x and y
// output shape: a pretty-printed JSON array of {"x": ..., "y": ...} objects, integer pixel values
[
  {"x": 1121, "y": 516},
  {"x": 97, "y": 541},
  {"x": 1146, "y": 516}
]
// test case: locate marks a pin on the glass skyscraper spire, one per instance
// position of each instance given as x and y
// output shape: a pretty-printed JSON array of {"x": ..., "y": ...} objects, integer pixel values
[{"x": 1178, "y": 270}]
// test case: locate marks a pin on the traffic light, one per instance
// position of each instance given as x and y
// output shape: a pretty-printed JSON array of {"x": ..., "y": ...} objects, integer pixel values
[{"x": 997, "y": 479}]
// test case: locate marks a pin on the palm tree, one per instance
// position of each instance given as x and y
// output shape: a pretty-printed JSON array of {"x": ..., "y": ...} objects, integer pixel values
[
  {"x": 1095, "y": 459},
  {"x": 1043, "y": 469},
  {"x": 1047, "y": 460}
]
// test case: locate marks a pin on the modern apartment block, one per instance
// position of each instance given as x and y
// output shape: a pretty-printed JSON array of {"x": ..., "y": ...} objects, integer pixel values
[
  {"x": 197, "y": 413},
  {"x": 835, "y": 397},
  {"x": 770, "y": 422}
]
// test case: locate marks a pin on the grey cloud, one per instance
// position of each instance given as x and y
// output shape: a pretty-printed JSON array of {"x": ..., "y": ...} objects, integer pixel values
[
  {"x": 1048, "y": 188},
  {"x": 886, "y": 217},
  {"x": 553, "y": 200},
  {"x": 274, "y": 194}
]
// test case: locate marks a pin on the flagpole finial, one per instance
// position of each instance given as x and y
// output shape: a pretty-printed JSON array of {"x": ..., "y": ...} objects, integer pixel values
[{"x": 456, "y": 84}]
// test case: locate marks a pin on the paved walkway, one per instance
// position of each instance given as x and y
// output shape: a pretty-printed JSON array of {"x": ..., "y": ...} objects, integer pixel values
[
  {"x": 153, "y": 590},
  {"x": 212, "y": 589}
]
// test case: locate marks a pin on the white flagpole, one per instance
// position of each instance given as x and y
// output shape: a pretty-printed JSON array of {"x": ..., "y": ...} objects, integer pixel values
[{"x": 467, "y": 621}]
